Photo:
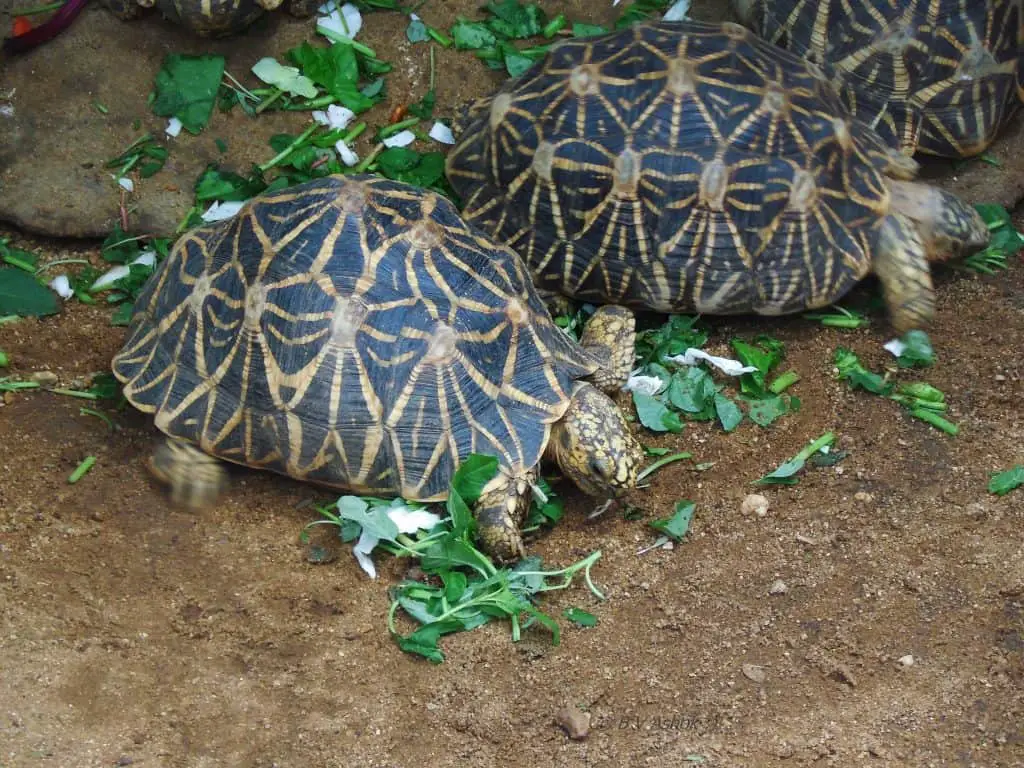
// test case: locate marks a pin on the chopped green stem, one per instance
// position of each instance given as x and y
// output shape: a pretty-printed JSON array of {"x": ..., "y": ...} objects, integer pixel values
[
  {"x": 554, "y": 26},
  {"x": 367, "y": 161},
  {"x": 335, "y": 37},
  {"x": 7, "y": 385},
  {"x": 239, "y": 87},
  {"x": 935, "y": 420},
  {"x": 391, "y": 130},
  {"x": 101, "y": 416},
  {"x": 81, "y": 469},
  {"x": 318, "y": 103},
  {"x": 37, "y": 9},
  {"x": 784, "y": 382},
  {"x": 280, "y": 156},
  {"x": 278, "y": 93},
  {"x": 440, "y": 37},
  {"x": 663, "y": 461},
  {"x": 20, "y": 263},
  {"x": 75, "y": 393},
  {"x": 827, "y": 439},
  {"x": 4, "y": 360},
  {"x": 58, "y": 262}
]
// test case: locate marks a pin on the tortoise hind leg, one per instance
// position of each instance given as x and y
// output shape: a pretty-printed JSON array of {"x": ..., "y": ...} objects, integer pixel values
[
  {"x": 195, "y": 478},
  {"x": 610, "y": 337}
]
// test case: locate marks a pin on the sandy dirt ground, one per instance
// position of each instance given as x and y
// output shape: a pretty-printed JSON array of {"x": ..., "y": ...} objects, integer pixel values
[{"x": 132, "y": 633}]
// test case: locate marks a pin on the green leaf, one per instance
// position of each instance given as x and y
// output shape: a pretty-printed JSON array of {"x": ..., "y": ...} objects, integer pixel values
[
  {"x": 512, "y": 19},
  {"x": 475, "y": 472},
  {"x": 373, "y": 520},
  {"x": 288, "y": 79},
  {"x": 411, "y": 167},
  {"x": 580, "y": 29},
  {"x": 580, "y": 617},
  {"x": 416, "y": 32},
  {"x": 214, "y": 184},
  {"x": 857, "y": 375},
  {"x": 423, "y": 642},
  {"x": 917, "y": 350},
  {"x": 764, "y": 354},
  {"x": 654, "y": 415},
  {"x": 764, "y": 411},
  {"x": 676, "y": 526},
  {"x": 784, "y": 474},
  {"x": 472, "y": 35},
  {"x": 1001, "y": 483},
  {"x": 455, "y": 584},
  {"x": 336, "y": 69},
  {"x": 729, "y": 414},
  {"x": 21, "y": 294},
  {"x": 186, "y": 87},
  {"x": 693, "y": 390},
  {"x": 122, "y": 315}
]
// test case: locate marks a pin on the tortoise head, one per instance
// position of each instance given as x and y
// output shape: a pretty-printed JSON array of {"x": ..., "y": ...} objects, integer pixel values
[
  {"x": 593, "y": 445},
  {"x": 949, "y": 227}
]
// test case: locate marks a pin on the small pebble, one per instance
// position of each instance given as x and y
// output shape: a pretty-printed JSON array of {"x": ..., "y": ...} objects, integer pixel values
[
  {"x": 906, "y": 661},
  {"x": 754, "y": 672},
  {"x": 755, "y": 504},
  {"x": 778, "y": 587},
  {"x": 1000, "y": 377},
  {"x": 574, "y": 721},
  {"x": 863, "y": 497},
  {"x": 44, "y": 378}
]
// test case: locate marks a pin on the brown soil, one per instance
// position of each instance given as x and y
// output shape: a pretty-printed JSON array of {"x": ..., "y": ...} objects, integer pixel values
[{"x": 133, "y": 633}]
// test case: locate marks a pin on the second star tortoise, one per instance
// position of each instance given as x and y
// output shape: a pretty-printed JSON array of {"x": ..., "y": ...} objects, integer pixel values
[
  {"x": 940, "y": 77},
  {"x": 356, "y": 333},
  {"x": 210, "y": 18},
  {"x": 688, "y": 167}
]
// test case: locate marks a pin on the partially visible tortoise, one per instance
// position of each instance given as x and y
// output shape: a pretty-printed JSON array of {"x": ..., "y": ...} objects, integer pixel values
[
  {"x": 356, "y": 333},
  {"x": 940, "y": 77},
  {"x": 689, "y": 167},
  {"x": 211, "y": 18}
]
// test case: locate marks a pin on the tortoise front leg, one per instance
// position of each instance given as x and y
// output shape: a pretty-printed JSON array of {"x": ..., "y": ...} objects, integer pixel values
[
  {"x": 499, "y": 513},
  {"x": 610, "y": 337},
  {"x": 196, "y": 479}
]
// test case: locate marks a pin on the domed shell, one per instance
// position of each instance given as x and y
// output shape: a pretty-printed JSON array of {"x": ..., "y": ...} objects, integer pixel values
[
  {"x": 353, "y": 332},
  {"x": 936, "y": 77},
  {"x": 680, "y": 167}
]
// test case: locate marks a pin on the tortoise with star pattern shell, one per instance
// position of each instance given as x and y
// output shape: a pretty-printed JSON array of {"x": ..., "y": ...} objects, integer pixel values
[
  {"x": 356, "y": 333},
  {"x": 940, "y": 78},
  {"x": 690, "y": 167}
]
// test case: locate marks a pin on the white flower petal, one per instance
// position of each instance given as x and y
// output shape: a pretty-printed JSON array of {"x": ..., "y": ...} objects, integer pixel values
[
  {"x": 442, "y": 133},
  {"x": 896, "y": 347},
  {"x": 411, "y": 520},
  {"x": 692, "y": 356},
  {"x": 126, "y": 184},
  {"x": 362, "y": 550},
  {"x": 345, "y": 152},
  {"x": 148, "y": 258},
  {"x": 402, "y": 139},
  {"x": 219, "y": 211},
  {"x": 329, "y": 7},
  {"x": 678, "y": 11},
  {"x": 173, "y": 127},
  {"x": 346, "y": 21},
  {"x": 645, "y": 385},
  {"x": 336, "y": 117},
  {"x": 62, "y": 286},
  {"x": 110, "y": 277}
]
